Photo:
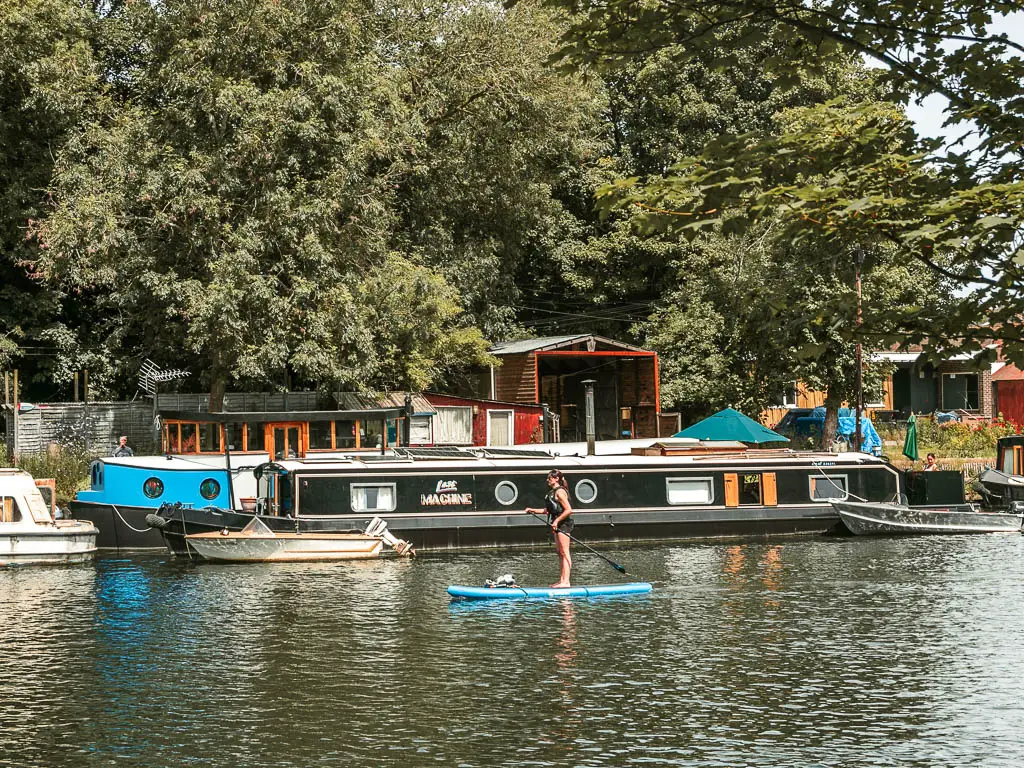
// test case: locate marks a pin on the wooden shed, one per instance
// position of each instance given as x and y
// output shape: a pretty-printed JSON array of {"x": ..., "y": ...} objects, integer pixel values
[
  {"x": 470, "y": 421},
  {"x": 1008, "y": 382},
  {"x": 551, "y": 370}
]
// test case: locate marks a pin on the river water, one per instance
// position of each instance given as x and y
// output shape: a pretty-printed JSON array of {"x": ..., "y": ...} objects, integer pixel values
[{"x": 803, "y": 652}]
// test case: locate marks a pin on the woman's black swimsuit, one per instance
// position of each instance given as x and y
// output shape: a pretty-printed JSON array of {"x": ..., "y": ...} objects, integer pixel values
[{"x": 554, "y": 508}]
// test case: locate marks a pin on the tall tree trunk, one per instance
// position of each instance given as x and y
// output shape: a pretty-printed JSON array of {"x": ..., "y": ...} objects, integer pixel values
[
  {"x": 218, "y": 386},
  {"x": 831, "y": 423}
]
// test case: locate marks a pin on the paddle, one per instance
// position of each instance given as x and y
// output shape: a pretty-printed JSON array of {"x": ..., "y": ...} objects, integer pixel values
[{"x": 608, "y": 560}]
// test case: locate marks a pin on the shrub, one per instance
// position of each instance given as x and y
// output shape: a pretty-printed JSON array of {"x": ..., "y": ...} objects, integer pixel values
[
  {"x": 953, "y": 438},
  {"x": 69, "y": 467}
]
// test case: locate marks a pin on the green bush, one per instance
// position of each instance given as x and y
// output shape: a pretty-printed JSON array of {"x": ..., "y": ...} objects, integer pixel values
[
  {"x": 69, "y": 467},
  {"x": 954, "y": 438}
]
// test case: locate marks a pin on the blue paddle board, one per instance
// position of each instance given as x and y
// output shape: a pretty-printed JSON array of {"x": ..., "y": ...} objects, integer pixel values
[{"x": 544, "y": 593}]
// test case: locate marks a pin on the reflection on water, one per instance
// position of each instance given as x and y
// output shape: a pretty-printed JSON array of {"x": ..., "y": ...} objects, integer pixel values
[{"x": 809, "y": 652}]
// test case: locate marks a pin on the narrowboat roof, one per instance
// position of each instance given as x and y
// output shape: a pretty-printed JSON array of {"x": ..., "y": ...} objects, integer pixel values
[
  {"x": 174, "y": 462},
  {"x": 458, "y": 460}
]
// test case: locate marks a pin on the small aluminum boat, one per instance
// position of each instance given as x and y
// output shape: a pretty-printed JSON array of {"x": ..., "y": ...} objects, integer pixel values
[
  {"x": 874, "y": 519},
  {"x": 257, "y": 543},
  {"x": 29, "y": 529}
]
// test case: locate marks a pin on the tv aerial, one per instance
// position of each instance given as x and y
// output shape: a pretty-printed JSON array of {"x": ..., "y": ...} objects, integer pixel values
[{"x": 151, "y": 375}]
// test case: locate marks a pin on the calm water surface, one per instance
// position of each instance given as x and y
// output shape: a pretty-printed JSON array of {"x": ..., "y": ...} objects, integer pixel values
[{"x": 808, "y": 652}]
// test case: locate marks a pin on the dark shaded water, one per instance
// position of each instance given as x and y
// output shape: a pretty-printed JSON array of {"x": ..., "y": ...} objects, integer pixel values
[{"x": 809, "y": 652}]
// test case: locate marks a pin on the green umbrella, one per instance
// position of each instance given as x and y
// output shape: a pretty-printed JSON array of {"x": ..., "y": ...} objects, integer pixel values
[{"x": 910, "y": 444}]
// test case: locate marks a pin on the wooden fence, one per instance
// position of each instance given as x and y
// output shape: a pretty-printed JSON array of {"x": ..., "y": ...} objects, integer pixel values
[{"x": 96, "y": 426}]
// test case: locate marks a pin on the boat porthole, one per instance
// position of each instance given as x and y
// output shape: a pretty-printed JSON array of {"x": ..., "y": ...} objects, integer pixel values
[
  {"x": 209, "y": 489},
  {"x": 506, "y": 492},
  {"x": 153, "y": 487},
  {"x": 586, "y": 491}
]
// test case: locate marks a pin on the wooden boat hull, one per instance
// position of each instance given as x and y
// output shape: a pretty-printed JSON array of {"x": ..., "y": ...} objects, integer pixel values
[
  {"x": 284, "y": 547},
  {"x": 889, "y": 519}
]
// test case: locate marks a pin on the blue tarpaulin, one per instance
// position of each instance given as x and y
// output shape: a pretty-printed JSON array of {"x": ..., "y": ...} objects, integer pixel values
[
  {"x": 869, "y": 439},
  {"x": 813, "y": 422}
]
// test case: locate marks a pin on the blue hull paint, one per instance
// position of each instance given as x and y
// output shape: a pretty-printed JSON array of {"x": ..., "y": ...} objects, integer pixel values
[
  {"x": 123, "y": 485},
  {"x": 545, "y": 593}
]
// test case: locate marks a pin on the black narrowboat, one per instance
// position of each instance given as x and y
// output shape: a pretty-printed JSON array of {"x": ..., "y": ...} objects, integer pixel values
[{"x": 446, "y": 499}]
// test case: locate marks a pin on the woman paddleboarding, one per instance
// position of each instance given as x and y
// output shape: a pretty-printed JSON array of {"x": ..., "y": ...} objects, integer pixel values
[{"x": 559, "y": 512}]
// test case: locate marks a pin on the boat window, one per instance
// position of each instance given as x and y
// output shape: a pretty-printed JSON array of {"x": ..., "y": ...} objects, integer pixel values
[
  {"x": 586, "y": 491},
  {"x": 10, "y": 512},
  {"x": 209, "y": 438},
  {"x": 825, "y": 487},
  {"x": 344, "y": 435},
  {"x": 153, "y": 487},
  {"x": 234, "y": 437},
  {"x": 320, "y": 437},
  {"x": 97, "y": 475},
  {"x": 506, "y": 492},
  {"x": 1007, "y": 463},
  {"x": 209, "y": 489},
  {"x": 372, "y": 434},
  {"x": 689, "y": 490},
  {"x": 373, "y": 497},
  {"x": 188, "y": 438},
  {"x": 173, "y": 443},
  {"x": 254, "y": 437},
  {"x": 750, "y": 489}
]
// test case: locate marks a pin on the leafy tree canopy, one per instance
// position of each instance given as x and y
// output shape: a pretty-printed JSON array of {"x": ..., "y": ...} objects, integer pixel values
[
  {"x": 294, "y": 191},
  {"x": 850, "y": 173}
]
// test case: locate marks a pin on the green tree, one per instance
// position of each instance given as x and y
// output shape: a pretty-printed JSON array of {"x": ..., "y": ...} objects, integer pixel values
[
  {"x": 957, "y": 212},
  {"x": 48, "y": 82},
  {"x": 264, "y": 177}
]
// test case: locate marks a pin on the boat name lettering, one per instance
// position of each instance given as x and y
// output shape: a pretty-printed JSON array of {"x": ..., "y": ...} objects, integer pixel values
[
  {"x": 823, "y": 463},
  {"x": 447, "y": 486},
  {"x": 445, "y": 499}
]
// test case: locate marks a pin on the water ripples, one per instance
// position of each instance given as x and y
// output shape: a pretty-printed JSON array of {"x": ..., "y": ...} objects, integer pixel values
[{"x": 810, "y": 652}]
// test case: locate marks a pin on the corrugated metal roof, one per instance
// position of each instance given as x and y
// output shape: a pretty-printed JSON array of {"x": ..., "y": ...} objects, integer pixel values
[
  {"x": 354, "y": 401},
  {"x": 529, "y": 345},
  {"x": 553, "y": 342}
]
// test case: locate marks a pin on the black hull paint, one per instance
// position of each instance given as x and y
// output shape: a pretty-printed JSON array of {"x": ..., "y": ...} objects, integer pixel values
[
  {"x": 116, "y": 524},
  {"x": 465, "y": 502}
]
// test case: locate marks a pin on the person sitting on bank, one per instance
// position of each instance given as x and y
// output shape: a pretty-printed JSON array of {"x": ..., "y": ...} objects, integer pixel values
[
  {"x": 122, "y": 448},
  {"x": 929, "y": 463}
]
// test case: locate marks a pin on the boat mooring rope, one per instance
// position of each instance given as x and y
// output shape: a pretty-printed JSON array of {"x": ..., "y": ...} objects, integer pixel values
[{"x": 129, "y": 525}]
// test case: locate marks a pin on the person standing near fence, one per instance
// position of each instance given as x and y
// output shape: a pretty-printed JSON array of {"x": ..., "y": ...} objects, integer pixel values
[{"x": 122, "y": 450}]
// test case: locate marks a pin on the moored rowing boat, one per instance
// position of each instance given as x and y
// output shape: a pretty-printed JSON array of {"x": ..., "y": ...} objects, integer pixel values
[{"x": 872, "y": 519}]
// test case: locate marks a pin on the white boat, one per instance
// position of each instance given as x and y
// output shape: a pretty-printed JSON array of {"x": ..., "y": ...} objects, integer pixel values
[
  {"x": 867, "y": 519},
  {"x": 29, "y": 530},
  {"x": 257, "y": 543}
]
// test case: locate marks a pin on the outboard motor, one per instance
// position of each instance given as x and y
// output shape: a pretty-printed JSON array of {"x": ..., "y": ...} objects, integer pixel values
[{"x": 379, "y": 529}]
